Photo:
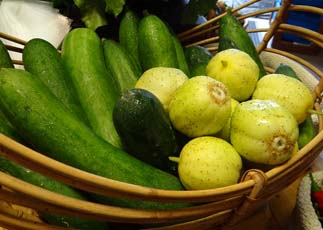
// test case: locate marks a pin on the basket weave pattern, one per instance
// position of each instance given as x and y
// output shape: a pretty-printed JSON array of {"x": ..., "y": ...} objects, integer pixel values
[{"x": 227, "y": 205}]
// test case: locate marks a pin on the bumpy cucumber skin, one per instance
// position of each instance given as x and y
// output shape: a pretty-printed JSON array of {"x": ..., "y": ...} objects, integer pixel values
[
  {"x": 307, "y": 130},
  {"x": 53, "y": 130},
  {"x": 233, "y": 35},
  {"x": 5, "y": 60},
  {"x": 38, "y": 179},
  {"x": 83, "y": 57},
  {"x": 124, "y": 70},
  {"x": 128, "y": 34},
  {"x": 145, "y": 128},
  {"x": 43, "y": 60},
  {"x": 181, "y": 60},
  {"x": 197, "y": 58},
  {"x": 156, "y": 47}
]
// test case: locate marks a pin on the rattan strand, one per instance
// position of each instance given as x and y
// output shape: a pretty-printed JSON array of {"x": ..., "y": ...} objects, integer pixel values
[{"x": 226, "y": 205}]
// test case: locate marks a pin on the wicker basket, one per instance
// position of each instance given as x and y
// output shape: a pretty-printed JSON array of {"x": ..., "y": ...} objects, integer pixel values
[{"x": 215, "y": 207}]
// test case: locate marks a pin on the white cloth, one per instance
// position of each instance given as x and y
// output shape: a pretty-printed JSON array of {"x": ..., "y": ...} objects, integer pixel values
[{"x": 27, "y": 19}]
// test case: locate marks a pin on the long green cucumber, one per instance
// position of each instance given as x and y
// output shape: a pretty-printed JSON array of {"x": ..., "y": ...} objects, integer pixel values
[
  {"x": 43, "y": 60},
  {"x": 40, "y": 180},
  {"x": 233, "y": 35},
  {"x": 45, "y": 123},
  {"x": 83, "y": 57},
  {"x": 181, "y": 59},
  {"x": 128, "y": 34},
  {"x": 124, "y": 70},
  {"x": 5, "y": 60},
  {"x": 156, "y": 47},
  {"x": 307, "y": 130}
]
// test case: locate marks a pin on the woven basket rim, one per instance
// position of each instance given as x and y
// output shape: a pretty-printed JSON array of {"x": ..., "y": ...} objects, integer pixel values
[{"x": 254, "y": 187}]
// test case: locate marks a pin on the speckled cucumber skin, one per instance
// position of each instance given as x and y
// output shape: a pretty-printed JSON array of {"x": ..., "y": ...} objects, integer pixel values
[
  {"x": 156, "y": 47},
  {"x": 45, "y": 123},
  {"x": 83, "y": 57},
  {"x": 43, "y": 60},
  {"x": 128, "y": 34}
]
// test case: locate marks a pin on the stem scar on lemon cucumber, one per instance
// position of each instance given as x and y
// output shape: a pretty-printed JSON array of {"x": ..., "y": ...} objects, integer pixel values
[{"x": 46, "y": 124}]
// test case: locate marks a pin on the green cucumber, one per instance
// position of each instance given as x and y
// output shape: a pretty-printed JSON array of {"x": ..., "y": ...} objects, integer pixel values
[
  {"x": 197, "y": 58},
  {"x": 144, "y": 128},
  {"x": 5, "y": 60},
  {"x": 83, "y": 57},
  {"x": 7, "y": 129},
  {"x": 233, "y": 35},
  {"x": 307, "y": 130},
  {"x": 45, "y": 123},
  {"x": 43, "y": 60},
  {"x": 181, "y": 59},
  {"x": 128, "y": 34},
  {"x": 40, "y": 180},
  {"x": 156, "y": 47},
  {"x": 287, "y": 70},
  {"x": 124, "y": 70}
]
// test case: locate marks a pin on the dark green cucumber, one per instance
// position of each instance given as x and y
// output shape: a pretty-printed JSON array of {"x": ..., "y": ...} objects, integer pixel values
[
  {"x": 40, "y": 180},
  {"x": 5, "y": 60},
  {"x": 233, "y": 35},
  {"x": 197, "y": 58},
  {"x": 144, "y": 128},
  {"x": 83, "y": 57},
  {"x": 181, "y": 60},
  {"x": 43, "y": 60},
  {"x": 124, "y": 70},
  {"x": 307, "y": 130},
  {"x": 156, "y": 47},
  {"x": 45, "y": 123},
  {"x": 287, "y": 70},
  {"x": 7, "y": 129},
  {"x": 128, "y": 34}
]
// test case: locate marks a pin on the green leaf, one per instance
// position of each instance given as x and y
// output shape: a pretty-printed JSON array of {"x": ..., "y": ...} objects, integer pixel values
[
  {"x": 114, "y": 7},
  {"x": 92, "y": 11},
  {"x": 197, "y": 8}
]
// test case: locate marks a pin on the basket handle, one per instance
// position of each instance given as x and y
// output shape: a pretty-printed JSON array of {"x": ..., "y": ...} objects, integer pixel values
[
  {"x": 274, "y": 26},
  {"x": 251, "y": 202}
]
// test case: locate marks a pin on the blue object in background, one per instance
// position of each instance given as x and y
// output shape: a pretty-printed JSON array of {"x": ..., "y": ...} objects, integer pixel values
[{"x": 303, "y": 19}]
